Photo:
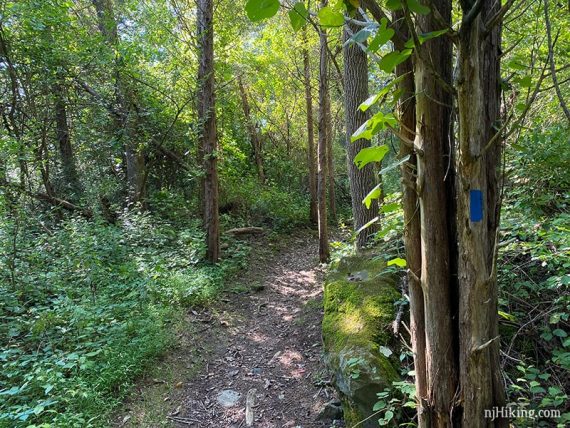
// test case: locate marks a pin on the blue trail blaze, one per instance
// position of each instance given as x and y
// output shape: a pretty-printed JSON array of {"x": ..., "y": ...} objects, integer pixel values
[{"x": 476, "y": 205}]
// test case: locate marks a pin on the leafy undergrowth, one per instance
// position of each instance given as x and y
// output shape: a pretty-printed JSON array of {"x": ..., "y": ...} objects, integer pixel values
[
  {"x": 87, "y": 307},
  {"x": 534, "y": 309}
]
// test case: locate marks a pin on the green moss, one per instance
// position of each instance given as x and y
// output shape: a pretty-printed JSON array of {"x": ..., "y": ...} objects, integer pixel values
[{"x": 358, "y": 310}]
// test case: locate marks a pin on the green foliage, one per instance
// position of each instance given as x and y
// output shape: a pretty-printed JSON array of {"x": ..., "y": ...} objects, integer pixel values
[
  {"x": 258, "y": 10},
  {"x": 298, "y": 16},
  {"x": 329, "y": 17},
  {"x": 383, "y": 35},
  {"x": 271, "y": 205},
  {"x": 90, "y": 308},
  {"x": 370, "y": 154},
  {"x": 396, "y": 404},
  {"x": 533, "y": 275}
]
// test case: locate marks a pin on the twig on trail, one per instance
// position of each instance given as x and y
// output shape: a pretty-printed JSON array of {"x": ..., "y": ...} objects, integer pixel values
[{"x": 185, "y": 421}]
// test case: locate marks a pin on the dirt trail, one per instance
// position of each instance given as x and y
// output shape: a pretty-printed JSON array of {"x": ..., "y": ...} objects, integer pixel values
[{"x": 263, "y": 342}]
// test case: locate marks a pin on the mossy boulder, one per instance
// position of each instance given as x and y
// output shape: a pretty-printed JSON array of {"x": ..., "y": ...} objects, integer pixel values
[{"x": 358, "y": 309}]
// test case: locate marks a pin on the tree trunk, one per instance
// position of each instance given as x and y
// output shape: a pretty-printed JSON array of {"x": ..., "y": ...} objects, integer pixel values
[
  {"x": 432, "y": 138},
  {"x": 207, "y": 118},
  {"x": 68, "y": 167},
  {"x": 412, "y": 237},
  {"x": 478, "y": 213},
  {"x": 330, "y": 168},
  {"x": 252, "y": 131},
  {"x": 361, "y": 181},
  {"x": 324, "y": 119},
  {"x": 135, "y": 162},
  {"x": 311, "y": 161}
]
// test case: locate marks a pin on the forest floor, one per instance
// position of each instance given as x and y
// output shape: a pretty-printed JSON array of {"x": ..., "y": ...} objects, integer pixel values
[{"x": 258, "y": 347}]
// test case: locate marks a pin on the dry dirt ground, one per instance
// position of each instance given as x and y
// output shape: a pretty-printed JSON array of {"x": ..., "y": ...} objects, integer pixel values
[{"x": 259, "y": 346}]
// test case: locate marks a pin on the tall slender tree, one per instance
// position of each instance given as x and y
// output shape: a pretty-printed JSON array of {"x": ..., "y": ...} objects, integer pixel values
[
  {"x": 311, "y": 160},
  {"x": 324, "y": 128},
  {"x": 207, "y": 118}
]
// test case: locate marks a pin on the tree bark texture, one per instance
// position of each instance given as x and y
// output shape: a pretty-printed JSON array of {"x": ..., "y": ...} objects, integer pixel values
[
  {"x": 433, "y": 109},
  {"x": 207, "y": 118},
  {"x": 330, "y": 165},
  {"x": 412, "y": 237},
  {"x": 361, "y": 181},
  {"x": 478, "y": 213},
  {"x": 324, "y": 118},
  {"x": 311, "y": 161}
]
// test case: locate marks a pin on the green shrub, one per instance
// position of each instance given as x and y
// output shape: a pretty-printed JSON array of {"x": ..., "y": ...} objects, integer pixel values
[{"x": 89, "y": 309}]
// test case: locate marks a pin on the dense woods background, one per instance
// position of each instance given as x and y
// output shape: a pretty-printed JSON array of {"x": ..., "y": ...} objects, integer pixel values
[{"x": 129, "y": 126}]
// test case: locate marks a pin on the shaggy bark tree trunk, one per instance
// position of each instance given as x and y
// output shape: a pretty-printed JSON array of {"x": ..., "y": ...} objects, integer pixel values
[
  {"x": 478, "y": 212},
  {"x": 252, "y": 131},
  {"x": 412, "y": 236},
  {"x": 361, "y": 181},
  {"x": 433, "y": 109},
  {"x": 207, "y": 118},
  {"x": 324, "y": 119},
  {"x": 311, "y": 161}
]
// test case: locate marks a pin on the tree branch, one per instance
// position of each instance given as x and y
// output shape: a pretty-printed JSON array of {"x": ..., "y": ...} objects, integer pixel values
[{"x": 551, "y": 60}]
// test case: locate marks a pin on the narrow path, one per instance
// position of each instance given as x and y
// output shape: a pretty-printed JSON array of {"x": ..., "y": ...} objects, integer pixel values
[{"x": 264, "y": 346}]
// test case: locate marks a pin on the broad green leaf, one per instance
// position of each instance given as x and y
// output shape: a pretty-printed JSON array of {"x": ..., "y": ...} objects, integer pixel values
[
  {"x": 373, "y": 194},
  {"x": 391, "y": 207},
  {"x": 525, "y": 82},
  {"x": 330, "y": 18},
  {"x": 417, "y": 7},
  {"x": 394, "y": 4},
  {"x": 384, "y": 350},
  {"x": 369, "y": 102},
  {"x": 374, "y": 98},
  {"x": 398, "y": 262},
  {"x": 389, "y": 62},
  {"x": 424, "y": 37},
  {"x": 361, "y": 36},
  {"x": 379, "y": 406},
  {"x": 373, "y": 126},
  {"x": 298, "y": 16},
  {"x": 517, "y": 65},
  {"x": 261, "y": 9},
  {"x": 382, "y": 37},
  {"x": 370, "y": 154},
  {"x": 507, "y": 316}
]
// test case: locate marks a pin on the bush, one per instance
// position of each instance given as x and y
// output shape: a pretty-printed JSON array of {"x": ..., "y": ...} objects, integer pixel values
[{"x": 89, "y": 309}]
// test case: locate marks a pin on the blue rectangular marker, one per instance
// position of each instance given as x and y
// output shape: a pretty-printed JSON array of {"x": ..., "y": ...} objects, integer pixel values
[{"x": 476, "y": 205}]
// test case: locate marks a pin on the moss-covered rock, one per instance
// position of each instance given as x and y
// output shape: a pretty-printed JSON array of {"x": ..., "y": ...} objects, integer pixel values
[{"x": 359, "y": 307}]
